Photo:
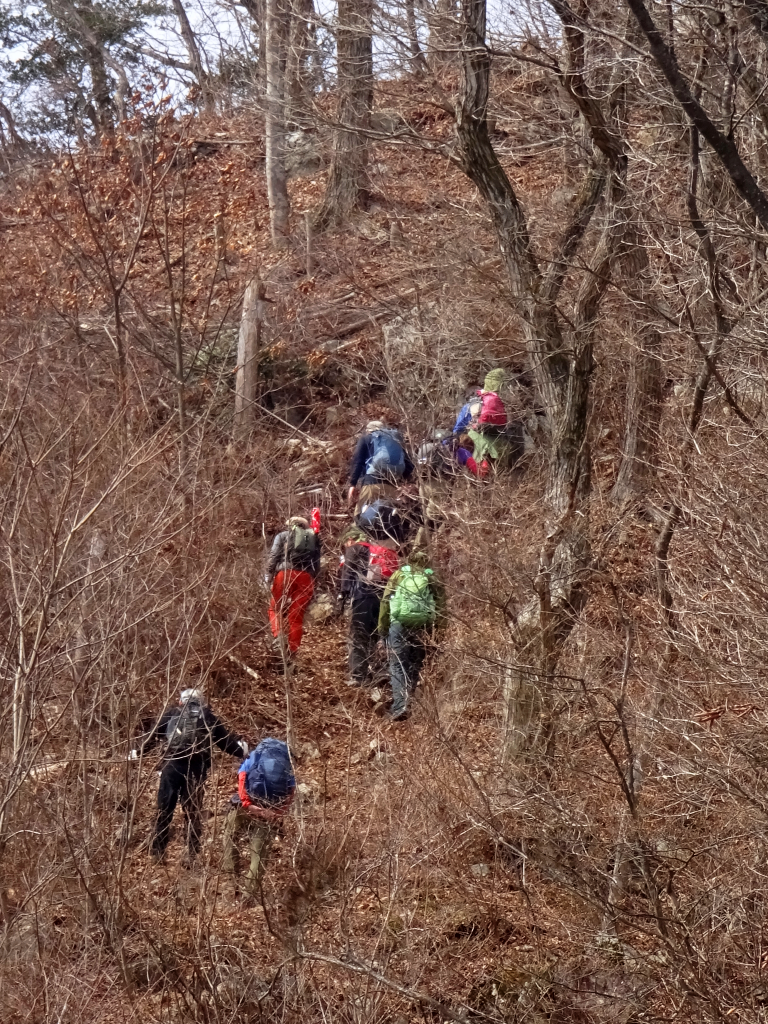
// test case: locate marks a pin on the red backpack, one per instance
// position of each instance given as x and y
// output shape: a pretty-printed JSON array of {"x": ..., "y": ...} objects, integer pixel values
[
  {"x": 382, "y": 563},
  {"x": 492, "y": 411}
]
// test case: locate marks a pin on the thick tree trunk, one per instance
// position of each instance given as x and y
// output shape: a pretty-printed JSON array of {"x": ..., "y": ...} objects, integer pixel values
[
  {"x": 278, "y": 17},
  {"x": 639, "y": 460},
  {"x": 347, "y": 186},
  {"x": 248, "y": 346},
  {"x": 195, "y": 59},
  {"x": 299, "y": 86},
  {"x": 101, "y": 91}
]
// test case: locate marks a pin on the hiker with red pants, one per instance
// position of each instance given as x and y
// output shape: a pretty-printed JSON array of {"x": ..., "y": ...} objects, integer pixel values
[{"x": 293, "y": 565}]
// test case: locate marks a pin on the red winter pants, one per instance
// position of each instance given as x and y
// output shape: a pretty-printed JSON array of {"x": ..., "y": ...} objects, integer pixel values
[{"x": 292, "y": 591}]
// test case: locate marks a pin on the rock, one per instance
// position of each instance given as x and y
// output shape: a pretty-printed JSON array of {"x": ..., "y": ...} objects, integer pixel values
[
  {"x": 388, "y": 122},
  {"x": 480, "y": 870},
  {"x": 321, "y": 609},
  {"x": 334, "y": 414},
  {"x": 397, "y": 239},
  {"x": 308, "y": 791},
  {"x": 304, "y": 154}
]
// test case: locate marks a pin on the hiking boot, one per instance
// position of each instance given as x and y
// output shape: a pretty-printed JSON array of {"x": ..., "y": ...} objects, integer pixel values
[{"x": 398, "y": 716}]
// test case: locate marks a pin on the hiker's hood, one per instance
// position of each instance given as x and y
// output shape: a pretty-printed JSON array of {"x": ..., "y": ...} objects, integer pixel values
[
  {"x": 419, "y": 560},
  {"x": 493, "y": 380},
  {"x": 297, "y": 521}
]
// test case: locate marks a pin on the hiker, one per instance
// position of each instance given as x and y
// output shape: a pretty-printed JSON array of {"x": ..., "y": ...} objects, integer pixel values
[
  {"x": 485, "y": 429},
  {"x": 369, "y": 560},
  {"x": 294, "y": 563},
  {"x": 380, "y": 463},
  {"x": 189, "y": 729},
  {"x": 412, "y": 605},
  {"x": 265, "y": 789},
  {"x": 437, "y": 469}
]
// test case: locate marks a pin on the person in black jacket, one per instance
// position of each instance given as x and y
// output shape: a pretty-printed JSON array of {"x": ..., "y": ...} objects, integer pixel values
[
  {"x": 189, "y": 730},
  {"x": 366, "y": 564},
  {"x": 365, "y": 486},
  {"x": 293, "y": 566}
]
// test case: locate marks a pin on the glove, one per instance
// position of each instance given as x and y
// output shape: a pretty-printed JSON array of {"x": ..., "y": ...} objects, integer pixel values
[
  {"x": 267, "y": 580},
  {"x": 133, "y": 756},
  {"x": 244, "y": 747}
]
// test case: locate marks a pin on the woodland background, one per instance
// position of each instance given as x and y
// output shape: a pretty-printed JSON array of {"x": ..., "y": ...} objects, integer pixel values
[{"x": 376, "y": 204}]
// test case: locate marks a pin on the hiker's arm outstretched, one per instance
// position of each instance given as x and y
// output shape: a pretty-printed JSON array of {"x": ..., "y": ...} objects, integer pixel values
[
  {"x": 156, "y": 733},
  {"x": 359, "y": 459},
  {"x": 225, "y": 740},
  {"x": 276, "y": 554}
]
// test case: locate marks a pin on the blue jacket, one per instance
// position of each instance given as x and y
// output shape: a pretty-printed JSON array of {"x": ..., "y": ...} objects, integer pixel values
[
  {"x": 363, "y": 452},
  {"x": 464, "y": 418}
]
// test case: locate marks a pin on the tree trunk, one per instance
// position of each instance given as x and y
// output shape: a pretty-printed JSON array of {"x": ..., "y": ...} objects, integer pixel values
[
  {"x": 639, "y": 460},
  {"x": 443, "y": 41},
  {"x": 418, "y": 63},
  {"x": 195, "y": 59},
  {"x": 101, "y": 91},
  {"x": 248, "y": 345},
  {"x": 347, "y": 186},
  {"x": 562, "y": 365},
  {"x": 278, "y": 17},
  {"x": 299, "y": 87}
]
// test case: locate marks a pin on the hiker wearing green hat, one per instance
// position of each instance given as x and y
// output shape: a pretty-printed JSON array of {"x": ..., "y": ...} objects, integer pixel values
[{"x": 413, "y": 604}]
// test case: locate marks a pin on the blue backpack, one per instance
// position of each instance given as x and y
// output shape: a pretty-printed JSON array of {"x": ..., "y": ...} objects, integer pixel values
[
  {"x": 388, "y": 458},
  {"x": 268, "y": 771}
]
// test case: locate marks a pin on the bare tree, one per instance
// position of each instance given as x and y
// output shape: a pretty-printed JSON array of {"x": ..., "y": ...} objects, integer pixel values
[
  {"x": 278, "y": 22},
  {"x": 347, "y": 187},
  {"x": 195, "y": 58}
]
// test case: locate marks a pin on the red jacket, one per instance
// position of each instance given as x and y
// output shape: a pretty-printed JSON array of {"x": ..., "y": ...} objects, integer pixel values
[{"x": 261, "y": 810}]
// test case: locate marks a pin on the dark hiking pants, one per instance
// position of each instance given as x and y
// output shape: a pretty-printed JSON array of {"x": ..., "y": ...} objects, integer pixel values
[
  {"x": 363, "y": 635},
  {"x": 180, "y": 780},
  {"x": 407, "y": 651}
]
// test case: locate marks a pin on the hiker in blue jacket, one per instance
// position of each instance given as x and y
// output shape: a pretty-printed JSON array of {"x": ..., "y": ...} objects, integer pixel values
[
  {"x": 266, "y": 787},
  {"x": 379, "y": 465}
]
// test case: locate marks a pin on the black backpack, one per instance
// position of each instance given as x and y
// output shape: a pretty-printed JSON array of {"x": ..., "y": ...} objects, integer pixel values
[
  {"x": 301, "y": 541},
  {"x": 381, "y": 521},
  {"x": 187, "y": 731}
]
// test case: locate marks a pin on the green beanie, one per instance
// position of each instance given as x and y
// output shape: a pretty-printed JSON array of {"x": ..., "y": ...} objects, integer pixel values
[
  {"x": 494, "y": 380},
  {"x": 419, "y": 559}
]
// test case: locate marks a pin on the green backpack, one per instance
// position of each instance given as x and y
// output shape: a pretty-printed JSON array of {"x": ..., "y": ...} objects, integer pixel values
[{"x": 413, "y": 603}]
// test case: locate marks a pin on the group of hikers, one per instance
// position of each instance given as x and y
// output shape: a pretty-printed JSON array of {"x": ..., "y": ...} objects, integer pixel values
[{"x": 396, "y": 604}]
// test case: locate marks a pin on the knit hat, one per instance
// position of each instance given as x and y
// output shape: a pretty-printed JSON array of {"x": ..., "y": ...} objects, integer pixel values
[
  {"x": 375, "y": 425},
  {"x": 190, "y": 694},
  {"x": 298, "y": 521},
  {"x": 419, "y": 559},
  {"x": 494, "y": 380},
  {"x": 352, "y": 535}
]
